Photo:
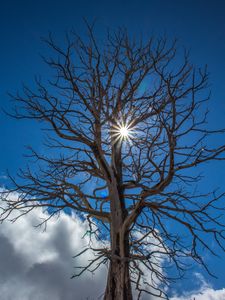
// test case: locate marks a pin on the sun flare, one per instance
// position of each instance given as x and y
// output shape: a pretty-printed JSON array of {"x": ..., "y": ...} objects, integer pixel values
[{"x": 124, "y": 132}]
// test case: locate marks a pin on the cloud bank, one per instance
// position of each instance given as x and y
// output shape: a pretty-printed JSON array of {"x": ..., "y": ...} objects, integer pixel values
[
  {"x": 37, "y": 264},
  {"x": 205, "y": 292}
]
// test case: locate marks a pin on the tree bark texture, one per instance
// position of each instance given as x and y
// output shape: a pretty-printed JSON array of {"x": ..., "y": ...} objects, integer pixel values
[{"x": 118, "y": 282}]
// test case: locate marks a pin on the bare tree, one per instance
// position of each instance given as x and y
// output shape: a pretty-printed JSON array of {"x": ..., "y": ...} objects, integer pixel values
[{"x": 126, "y": 128}]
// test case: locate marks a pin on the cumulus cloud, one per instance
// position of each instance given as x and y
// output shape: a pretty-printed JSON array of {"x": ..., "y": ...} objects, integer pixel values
[
  {"x": 205, "y": 292},
  {"x": 38, "y": 265}
]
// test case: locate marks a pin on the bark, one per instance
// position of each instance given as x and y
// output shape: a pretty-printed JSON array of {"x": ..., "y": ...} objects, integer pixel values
[{"x": 118, "y": 282}]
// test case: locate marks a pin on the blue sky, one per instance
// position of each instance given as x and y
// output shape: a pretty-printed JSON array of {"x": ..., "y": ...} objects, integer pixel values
[{"x": 199, "y": 26}]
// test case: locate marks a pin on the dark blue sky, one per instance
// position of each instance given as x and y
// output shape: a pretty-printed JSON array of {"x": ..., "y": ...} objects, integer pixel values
[{"x": 199, "y": 26}]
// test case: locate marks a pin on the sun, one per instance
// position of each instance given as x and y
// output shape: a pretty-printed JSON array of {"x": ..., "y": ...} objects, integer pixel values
[{"x": 124, "y": 131}]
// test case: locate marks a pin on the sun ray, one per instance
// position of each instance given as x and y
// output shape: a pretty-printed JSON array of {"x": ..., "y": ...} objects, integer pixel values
[{"x": 122, "y": 131}]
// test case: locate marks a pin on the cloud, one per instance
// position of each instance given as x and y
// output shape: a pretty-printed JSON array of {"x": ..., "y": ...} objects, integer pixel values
[
  {"x": 205, "y": 292},
  {"x": 38, "y": 265}
]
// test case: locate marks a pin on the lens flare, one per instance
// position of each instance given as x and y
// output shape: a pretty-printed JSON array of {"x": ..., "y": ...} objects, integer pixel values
[{"x": 124, "y": 132}]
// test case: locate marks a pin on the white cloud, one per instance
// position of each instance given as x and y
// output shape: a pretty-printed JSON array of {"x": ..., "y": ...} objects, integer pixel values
[
  {"x": 38, "y": 265},
  {"x": 205, "y": 292}
]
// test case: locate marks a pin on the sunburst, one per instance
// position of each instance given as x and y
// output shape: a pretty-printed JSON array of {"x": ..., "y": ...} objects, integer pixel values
[{"x": 122, "y": 131}]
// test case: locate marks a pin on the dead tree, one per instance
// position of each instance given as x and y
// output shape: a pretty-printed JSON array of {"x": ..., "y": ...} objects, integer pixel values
[{"x": 126, "y": 133}]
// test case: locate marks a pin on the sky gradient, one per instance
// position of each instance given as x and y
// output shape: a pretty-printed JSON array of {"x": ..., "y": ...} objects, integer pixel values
[{"x": 198, "y": 25}]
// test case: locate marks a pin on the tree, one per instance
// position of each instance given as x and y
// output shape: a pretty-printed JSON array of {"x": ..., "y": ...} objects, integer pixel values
[{"x": 126, "y": 128}]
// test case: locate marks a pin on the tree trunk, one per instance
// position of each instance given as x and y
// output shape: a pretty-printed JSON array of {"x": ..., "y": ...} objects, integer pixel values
[{"x": 118, "y": 282}]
